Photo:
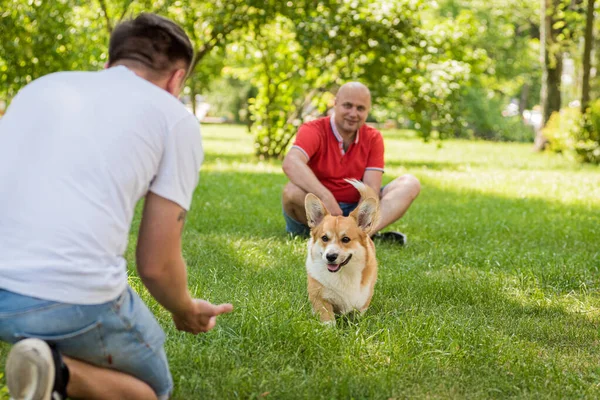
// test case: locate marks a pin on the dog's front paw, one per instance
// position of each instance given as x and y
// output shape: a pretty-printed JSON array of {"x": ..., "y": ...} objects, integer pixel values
[{"x": 330, "y": 323}]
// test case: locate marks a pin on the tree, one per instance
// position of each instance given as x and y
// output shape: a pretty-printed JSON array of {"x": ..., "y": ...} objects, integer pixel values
[
  {"x": 588, "y": 42},
  {"x": 35, "y": 39},
  {"x": 211, "y": 26},
  {"x": 551, "y": 60},
  {"x": 494, "y": 45},
  {"x": 312, "y": 47}
]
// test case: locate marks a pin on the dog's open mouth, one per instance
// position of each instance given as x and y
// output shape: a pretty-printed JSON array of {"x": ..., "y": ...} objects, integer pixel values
[{"x": 336, "y": 267}]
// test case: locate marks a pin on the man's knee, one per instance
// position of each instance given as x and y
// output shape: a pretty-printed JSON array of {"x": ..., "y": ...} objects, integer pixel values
[
  {"x": 405, "y": 185},
  {"x": 412, "y": 183},
  {"x": 292, "y": 196},
  {"x": 292, "y": 201},
  {"x": 290, "y": 191}
]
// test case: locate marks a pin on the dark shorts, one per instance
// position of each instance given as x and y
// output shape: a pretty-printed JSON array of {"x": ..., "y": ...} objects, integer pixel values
[{"x": 296, "y": 228}]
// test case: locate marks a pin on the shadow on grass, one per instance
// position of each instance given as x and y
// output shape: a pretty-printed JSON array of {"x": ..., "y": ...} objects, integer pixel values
[
  {"x": 248, "y": 204},
  {"x": 399, "y": 134},
  {"x": 228, "y": 159},
  {"x": 224, "y": 138},
  {"x": 433, "y": 165},
  {"x": 238, "y": 158},
  {"x": 486, "y": 287},
  {"x": 444, "y": 227}
]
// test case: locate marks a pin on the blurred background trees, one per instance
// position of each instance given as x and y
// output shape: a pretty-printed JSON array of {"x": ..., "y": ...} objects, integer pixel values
[{"x": 514, "y": 70}]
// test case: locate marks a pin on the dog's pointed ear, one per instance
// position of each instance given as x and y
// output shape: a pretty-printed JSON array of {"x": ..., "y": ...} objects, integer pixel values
[
  {"x": 315, "y": 210},
  {"x": 366, "y": 214}
]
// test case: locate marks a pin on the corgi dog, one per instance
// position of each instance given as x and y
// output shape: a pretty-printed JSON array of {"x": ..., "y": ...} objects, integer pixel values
[{"x": 341, "y": 263}]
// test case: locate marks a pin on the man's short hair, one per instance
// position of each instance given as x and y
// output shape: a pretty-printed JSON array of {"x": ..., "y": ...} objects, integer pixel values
[{"x": 154, "y": 41}]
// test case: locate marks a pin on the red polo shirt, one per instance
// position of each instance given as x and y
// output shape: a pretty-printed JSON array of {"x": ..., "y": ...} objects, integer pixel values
[{"x": 322, "y": 144}]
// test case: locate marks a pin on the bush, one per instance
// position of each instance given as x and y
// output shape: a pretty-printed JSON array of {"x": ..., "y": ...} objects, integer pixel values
[
  {"x": 561, "y": 130},
  {"x": 578, "y": 136},
  {"x": 483, "y": 115},
  {"x": 228, "y": 98},
  {"x": 588, "y": 145}
]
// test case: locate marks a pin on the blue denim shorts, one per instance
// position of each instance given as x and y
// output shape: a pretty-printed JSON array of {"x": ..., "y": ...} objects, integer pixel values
[
  {"x": 121, "y": 334},
  {"x": 297, "y": 228}
]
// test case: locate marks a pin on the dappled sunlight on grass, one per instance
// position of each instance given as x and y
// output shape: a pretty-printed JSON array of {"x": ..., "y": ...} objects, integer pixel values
[
  {"x": 229, "y": 151},
  {"x": 227, "y": 140},
  {"x": 491, "y": 155},
  {"x": 528, "y": 291},
  {"x": 250, "y": 166},
  {"x": 496, "y": 294},
  {"x": 503, "y": 169},
  {"x": 547, "y": 185},
  {"x": 253, "y": 254}
]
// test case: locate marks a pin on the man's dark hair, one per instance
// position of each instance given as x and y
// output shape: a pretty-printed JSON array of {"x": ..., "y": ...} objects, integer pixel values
[{"x": 155, "y": 42}]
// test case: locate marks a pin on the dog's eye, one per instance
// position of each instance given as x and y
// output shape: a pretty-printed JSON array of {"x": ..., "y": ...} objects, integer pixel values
[
  {"x": 345, "y": 239},
  {"x": 324, "y": 238}
]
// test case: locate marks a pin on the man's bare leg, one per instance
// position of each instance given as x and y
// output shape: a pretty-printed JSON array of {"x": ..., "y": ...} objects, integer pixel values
[
  {"x": 87, "y": 381},
  {"x": 293, "y": 202},
  {"x": 396, "y": 198}
]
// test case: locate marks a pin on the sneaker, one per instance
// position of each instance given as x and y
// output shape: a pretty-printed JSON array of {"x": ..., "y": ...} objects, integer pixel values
[
  {"x": 35, "y": 371},
  {"x": 397, "y": 237}
]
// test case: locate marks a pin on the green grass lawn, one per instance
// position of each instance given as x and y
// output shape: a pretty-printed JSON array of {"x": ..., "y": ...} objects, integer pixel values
[{"x": 495, "y": 296}]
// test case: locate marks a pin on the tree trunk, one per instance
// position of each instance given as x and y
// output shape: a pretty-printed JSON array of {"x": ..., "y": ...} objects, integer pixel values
[
  {"x": 524, "y": 98},
  {"x": 594, "y": 84},
  {"x": 551, "y": 69},
  {"x": 587, "y": 52},
  {"x": 193, "y": 98}
]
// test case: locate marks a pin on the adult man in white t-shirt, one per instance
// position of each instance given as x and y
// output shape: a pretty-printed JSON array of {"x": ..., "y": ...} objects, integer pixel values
[{"x": 77, "y": 151}]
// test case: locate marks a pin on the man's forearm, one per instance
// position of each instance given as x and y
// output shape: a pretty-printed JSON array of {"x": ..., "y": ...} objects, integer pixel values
[
  {"x": 169, "y": 286},
  {"x": 302, "y": 176}
]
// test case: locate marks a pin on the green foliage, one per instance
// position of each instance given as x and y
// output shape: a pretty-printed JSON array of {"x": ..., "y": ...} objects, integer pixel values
[
  {"x": 41, "y": 37},
  {"x": 3, "y": 388},
  {"x": 588, "y": 143},
  {"x": 575, "y": 135},
  {"x": 277, "y": 106},
  {"x": 36, "y": 39},
  {"x": 429, "y": 65},
  {"x": 310, "y": 49},
  {"x": 498, "y": 42},
  {"x": 228, "y": 98},
  {"x": 562, "y": 129},
  {"x": 483, "y": 115}
]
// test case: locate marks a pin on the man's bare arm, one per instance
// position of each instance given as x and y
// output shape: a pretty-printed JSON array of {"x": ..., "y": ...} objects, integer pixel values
[
  {"x": 162, "y": 268},
  {"x": 373, "y": 178},
  {"x": 299, "y": 173},
  {"x": 159, "y": 261}
]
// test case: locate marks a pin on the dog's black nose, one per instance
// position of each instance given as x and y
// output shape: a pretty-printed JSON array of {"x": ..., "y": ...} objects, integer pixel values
[{"x": 331, "y": 257}]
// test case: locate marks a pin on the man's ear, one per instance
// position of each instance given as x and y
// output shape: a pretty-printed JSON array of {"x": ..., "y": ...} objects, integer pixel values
[
  {"x": 175, "y": 82},
  {"x": 315, "y": 210}
]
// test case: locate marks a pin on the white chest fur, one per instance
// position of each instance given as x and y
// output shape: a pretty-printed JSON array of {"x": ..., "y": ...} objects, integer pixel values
[{"x": 342, "y": 289}]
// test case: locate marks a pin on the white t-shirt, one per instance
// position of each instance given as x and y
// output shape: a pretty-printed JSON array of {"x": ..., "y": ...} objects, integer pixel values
[{"x": 77, "y": 152}]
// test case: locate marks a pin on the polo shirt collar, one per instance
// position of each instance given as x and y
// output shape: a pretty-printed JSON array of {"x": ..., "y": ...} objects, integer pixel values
[{"x": 337, "y": 134}]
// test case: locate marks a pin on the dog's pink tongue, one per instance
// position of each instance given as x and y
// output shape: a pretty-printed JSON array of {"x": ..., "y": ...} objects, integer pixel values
[{"x": 332, "y": 267}]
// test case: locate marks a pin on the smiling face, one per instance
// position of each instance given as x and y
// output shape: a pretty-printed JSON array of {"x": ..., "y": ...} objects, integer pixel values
[
  {"x": 336, "y": 240},
  {"x": 352, "y": 105}
]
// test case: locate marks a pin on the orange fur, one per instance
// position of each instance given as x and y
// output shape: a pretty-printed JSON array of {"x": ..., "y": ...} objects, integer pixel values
[{"x": 341, "y": 262}]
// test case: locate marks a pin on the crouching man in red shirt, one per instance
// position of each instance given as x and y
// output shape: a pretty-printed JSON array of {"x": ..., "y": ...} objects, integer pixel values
[{"x": 330, "y": 149}]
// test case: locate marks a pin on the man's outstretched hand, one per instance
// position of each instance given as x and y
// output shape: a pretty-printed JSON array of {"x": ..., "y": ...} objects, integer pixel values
[{"x": 200, "y": 317}]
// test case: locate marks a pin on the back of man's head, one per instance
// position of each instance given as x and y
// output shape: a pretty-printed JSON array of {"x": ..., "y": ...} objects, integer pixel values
[{"x": 151, "y": 42}]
